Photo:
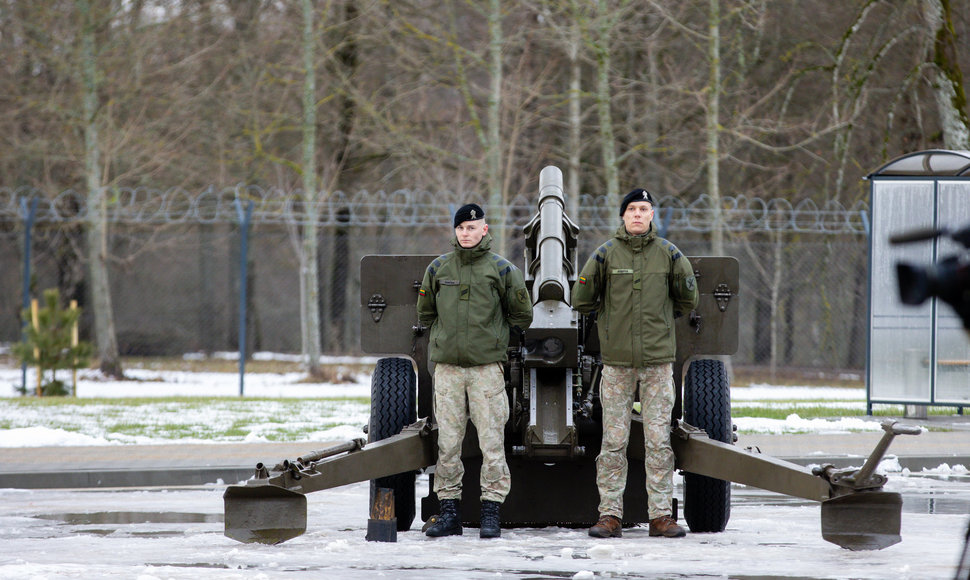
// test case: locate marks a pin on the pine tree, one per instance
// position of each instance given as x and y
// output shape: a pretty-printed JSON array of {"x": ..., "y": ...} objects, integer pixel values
[{"x": 48, "y": 344}]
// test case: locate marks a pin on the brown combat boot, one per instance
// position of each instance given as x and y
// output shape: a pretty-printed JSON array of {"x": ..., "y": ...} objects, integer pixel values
[
  {"x": 667, "y": 527},
  {"x": 607, "y": 527}
]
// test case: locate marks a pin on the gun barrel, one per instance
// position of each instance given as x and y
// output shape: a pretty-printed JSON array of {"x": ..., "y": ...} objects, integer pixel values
[{"x": 551, "y": 279}]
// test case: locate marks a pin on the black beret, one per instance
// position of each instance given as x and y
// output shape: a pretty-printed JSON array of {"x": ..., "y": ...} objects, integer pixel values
[
  {"x": 468, "y": 212},
  {"x": 638, "y": 194}
]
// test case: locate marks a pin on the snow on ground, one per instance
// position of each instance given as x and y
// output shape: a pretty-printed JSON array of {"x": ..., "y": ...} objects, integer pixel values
[
  {"x": 152, "y": 383},
  {"x": 275, "y": 406},
  {"x": 340, "y": 407},
  {"x": 160, "y": 534},
  {"x": 762, "y": 392},
  {"x": 177, "y": 534},
  {"x": 795, "y": 424}
]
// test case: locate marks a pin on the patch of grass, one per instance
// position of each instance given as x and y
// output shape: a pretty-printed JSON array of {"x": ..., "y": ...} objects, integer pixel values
[
  {"x": 181, "y": 402},
  {"x": 781, "y": 412},
  {"x": 186, "y": 418},
  {"x": 332, "y": 372},
  {"x": 809, "y": 410},
  {"x": 329, "y": 373},
  {"x": 743, "y": 376}
]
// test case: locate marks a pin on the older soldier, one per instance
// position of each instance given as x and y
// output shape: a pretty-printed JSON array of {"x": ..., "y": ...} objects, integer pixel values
[
  {"x": 637, "y": 283},
  {"x": 470, "y": 298}
]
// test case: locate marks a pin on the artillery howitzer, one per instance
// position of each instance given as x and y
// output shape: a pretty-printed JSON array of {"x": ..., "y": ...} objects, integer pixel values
[{"x": 554, "y": 431}]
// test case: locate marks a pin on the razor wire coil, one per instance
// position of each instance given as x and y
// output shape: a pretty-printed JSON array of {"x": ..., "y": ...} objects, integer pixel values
[{"x": 416, "y": 207}]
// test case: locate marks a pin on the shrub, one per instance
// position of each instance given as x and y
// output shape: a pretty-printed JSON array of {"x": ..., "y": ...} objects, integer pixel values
[{"x": 48, "y": 343}]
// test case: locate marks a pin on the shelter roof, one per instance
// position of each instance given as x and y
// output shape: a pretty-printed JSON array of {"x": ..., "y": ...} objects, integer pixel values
[{"x": 929, "y": 163}]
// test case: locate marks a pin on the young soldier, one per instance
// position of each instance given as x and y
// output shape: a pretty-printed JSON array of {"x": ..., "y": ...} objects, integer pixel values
[
  {"x": 470, "y": 298},
  {"x": 637, "y": 283}
]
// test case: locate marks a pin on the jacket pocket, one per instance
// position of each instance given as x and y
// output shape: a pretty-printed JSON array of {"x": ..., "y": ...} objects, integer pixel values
[{"x": 620, "y": 321}]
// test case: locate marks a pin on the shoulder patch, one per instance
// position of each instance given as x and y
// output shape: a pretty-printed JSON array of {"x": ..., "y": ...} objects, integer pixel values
[
  {"x": 502, "y": 262},
  {"x": 522, "y": 295},
  {"x": 600, "y": 253},
  {"x": 675, "y": 252},
  {"x": 503, "y": 265},
  {"x": 436, "y": 264}
]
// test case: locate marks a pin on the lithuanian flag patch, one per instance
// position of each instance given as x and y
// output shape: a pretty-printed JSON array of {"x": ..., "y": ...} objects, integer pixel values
[
  {"x": 421, "y": 292},
  {"x": 582, "y": 280}
]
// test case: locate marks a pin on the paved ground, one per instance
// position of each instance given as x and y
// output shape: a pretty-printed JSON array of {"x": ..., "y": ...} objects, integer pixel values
[{"x": 948, "y": 442}]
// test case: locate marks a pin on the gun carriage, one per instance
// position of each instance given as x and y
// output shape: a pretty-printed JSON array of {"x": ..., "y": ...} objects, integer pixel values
[{"x": 554, "y": 431}]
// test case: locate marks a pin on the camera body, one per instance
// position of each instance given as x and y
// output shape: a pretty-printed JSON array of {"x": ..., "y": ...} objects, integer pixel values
[{"x": 948, "y": 279}]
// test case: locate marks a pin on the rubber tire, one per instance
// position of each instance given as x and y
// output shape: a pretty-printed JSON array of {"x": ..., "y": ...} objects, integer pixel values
[
  {"x": 393, "y": 407},
  {"x": 707, "y": 406}
]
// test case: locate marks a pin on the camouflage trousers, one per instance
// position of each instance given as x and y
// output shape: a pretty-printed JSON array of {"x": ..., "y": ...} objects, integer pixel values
[
  {"x": 476, "y": 393},
  {"x": 617, "y": 389}
]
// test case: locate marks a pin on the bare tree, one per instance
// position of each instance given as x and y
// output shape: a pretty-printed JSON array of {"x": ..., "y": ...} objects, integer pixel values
[
  {"x": 947, "y": 78},
  {"x": 97, "y": 236},
  {"x": 309, "y": 273},
  {"x": 497, "y": 196},
  {"x": 570, "y": 27},
  {"x": 606, "y": 18}
]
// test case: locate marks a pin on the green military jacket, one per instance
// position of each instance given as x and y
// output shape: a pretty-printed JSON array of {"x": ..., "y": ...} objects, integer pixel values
[
  {"x": 470, "y": 298},
  {"x": 637, "y": 285}
]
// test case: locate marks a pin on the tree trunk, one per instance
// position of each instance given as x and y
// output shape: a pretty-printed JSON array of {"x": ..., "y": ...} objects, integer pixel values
[
  {"x": 97, "y": 237},
  {"x": 575, "y": 115},
  {"x": 497, "y": 198},
  {"x": 777, "y": 244},
  {"x": 309, "y": 274},
  {"x": 948, "y": 90},
  {"x": 603, "y": 99},
  {"x": 713, "y": 127}
]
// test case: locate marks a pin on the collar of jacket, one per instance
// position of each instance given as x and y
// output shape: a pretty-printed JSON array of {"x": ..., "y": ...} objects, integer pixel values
[
  {"x": 635, "y": 242},
  {"x": 469, "y": 255}
]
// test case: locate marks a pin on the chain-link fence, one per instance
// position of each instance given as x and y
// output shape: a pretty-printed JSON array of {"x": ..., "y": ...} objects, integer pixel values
[{"x": 175, "y": 264}]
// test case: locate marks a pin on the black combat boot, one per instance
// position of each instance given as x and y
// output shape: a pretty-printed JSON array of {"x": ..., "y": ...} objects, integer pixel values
[
  {"x": 490, "y": 524},
  {"x": 448, "y": 522}
]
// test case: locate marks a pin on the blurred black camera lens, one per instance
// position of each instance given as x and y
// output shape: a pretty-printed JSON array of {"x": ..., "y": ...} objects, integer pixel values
[
  {"x": 914, "y": 283},
  {"x": 948, "y": 279}
]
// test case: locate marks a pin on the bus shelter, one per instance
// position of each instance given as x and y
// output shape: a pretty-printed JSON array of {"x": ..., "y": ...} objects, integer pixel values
[{"x": 919, "y": 355}]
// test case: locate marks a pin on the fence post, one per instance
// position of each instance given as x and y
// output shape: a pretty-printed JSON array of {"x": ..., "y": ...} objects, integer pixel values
[
  {"x": 28, "y": 216},
  {"x": 245, "y": 217},
  {"x": 75, "y": 339},
  {"x": 35, "y": 321}
]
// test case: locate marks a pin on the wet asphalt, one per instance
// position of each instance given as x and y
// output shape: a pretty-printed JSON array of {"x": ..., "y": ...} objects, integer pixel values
[{"x": 944, "y": 441}]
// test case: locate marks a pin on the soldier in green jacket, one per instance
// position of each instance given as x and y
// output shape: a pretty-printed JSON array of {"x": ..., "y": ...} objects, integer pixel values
[
  {"x": 636, "y": 283},
  {"x": 471, "y": 298}
]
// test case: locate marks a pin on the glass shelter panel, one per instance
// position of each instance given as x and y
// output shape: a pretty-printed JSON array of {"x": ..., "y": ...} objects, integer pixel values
[
  {"x": 901, "y": 336},
  {"x": 952, "y": 344}
]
